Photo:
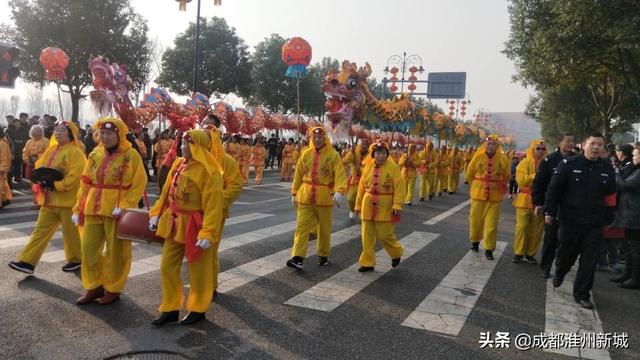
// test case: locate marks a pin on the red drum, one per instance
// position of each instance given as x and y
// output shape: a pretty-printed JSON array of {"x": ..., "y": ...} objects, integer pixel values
[{"x": 133, "y": 225}]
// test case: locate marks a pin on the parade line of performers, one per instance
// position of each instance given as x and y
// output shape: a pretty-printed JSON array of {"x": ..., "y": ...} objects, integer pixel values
[{"x": 206, "y": 178}]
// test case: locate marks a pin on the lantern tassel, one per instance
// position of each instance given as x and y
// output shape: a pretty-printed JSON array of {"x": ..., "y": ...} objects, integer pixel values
[{"x": 183, "y": 6}]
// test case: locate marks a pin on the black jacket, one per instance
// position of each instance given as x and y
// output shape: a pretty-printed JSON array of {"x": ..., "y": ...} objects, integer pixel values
[
  {"x": 628, "y": 184},
  {"x": 543, "y": 177},
  {"x": 582, "y": 192}
]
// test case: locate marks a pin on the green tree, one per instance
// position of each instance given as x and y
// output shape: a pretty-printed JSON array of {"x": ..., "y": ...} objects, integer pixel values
[
  {"x": 82, "y": 29},
  {"x": 223, "y": 66},
  {"x": 583, "y": 47}
]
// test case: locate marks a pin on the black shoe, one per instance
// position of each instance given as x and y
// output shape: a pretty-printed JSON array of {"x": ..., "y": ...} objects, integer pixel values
[
  {"x": 213, "y": 296},
  {"x": 557, "y": 280},
  {"x": 71, "y": 266},
  {"x": 166, "y": 317},
  {"x": 323, "y": 261},
  {"x": 421, "y": 199},
  {"x": 22, "y": 267},
  {"x": 192, "y": 318},
  {"x": 585, "y": 303},
  {"x": 431, "y": 196},
  {"x": 530, "y": 259},
  {"x": 295, "y": 263},
  {"x": 450, "y": 192},
  {"x": 517, "y": 259},
  {"x": 6, "y": 202},
  {"x": 365, "y": 268},
  {"x": 630, "y": 284},
  {"x": 475, "y": 246},
  {"x": 439, "y": 194},
  {"x": 488, "y": 254},
  {"x": 395, "y": 262},
  {"x": 545, "y": 274},
  {"x": 621, "y": 278}
]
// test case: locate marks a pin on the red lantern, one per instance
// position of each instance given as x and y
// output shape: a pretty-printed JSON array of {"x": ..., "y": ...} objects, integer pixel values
[
  {"x": 452, "y": 107},
  {"x": 394, "y": 70},
  {"x": 462, "y": 113},
  {"x": 296, "y": 51},
  {"x": 393, "y": 88},
  {"x": 451, "y": 113},
  {"x": 183, "y": 4},
  {"x": 411, "y": 87},
  {"x": 452, "y": 102},
  {"x": 464, "y": 102},
  {"x": 413, "y": 69},
  {"x": 394, "y": 78},
  {"x": 54, "y": 61},
  {"x": 413, "y": 78}
]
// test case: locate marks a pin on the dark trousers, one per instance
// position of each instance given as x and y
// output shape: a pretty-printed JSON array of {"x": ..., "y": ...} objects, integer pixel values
[
  {"x": 270, "y": 159},
  {"x": 583, "y": 241},
  {"x": 549, "y": 246},
  {"x": 16, "y": 167},
  {"x": 513, "y": 187}
]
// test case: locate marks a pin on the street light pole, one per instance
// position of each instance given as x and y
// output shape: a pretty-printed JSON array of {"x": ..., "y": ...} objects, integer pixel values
[
  {"x": 196, "y": 51},
  {"x": 404, "y": 64}
]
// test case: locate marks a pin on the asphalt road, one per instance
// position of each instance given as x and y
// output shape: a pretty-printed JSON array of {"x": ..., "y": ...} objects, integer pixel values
[{"x": 266, "y": 310}]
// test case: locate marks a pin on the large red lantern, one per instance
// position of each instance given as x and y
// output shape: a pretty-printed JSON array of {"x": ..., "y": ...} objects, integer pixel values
[
  {"x": 296, "y": 51},
  {"x": 183, "y": 4},
  {"x": 54, "y": 61}
]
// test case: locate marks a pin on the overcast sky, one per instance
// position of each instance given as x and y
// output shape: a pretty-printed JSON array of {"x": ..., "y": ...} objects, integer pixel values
[{"x": 452, "y": 35}]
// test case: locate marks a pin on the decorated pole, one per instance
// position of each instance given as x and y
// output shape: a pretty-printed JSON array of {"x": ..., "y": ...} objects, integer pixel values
[
  {"x": 55, "y": 61},
  {"x": 296, "y": 54}
]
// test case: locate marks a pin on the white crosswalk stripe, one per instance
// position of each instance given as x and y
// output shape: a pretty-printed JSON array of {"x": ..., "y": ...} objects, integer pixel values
[
  {"x": 18, "y": 226},
  {"x": 564, "y": 316},
  {"x": 335, "y": 291},
  {"x": 21, "y": 240},
  {"x": 446, "y": 309},
  {"x": 146, "y": 265},
  {"x": 18, "y": 214},
  {"x": 244, "y": 274}
]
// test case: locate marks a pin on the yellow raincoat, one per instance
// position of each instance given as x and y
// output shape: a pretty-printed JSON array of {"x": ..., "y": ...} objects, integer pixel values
[
  {"x": 5, "y": 167},
  {"x": 457, "y": 163},
  {"x": 427, "y": 171},
  {"x": 444, "y": 161},
  {"x": 353, "y": 161},
  {"x": 287, "y": 162},
  {"x": 258, "y": 155},
  {"x": 410, "y": 162}
]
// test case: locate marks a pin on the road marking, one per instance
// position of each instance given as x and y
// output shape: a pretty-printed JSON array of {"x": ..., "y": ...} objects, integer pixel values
[
  {"x": 19, "y": 205},
  {"x": 335, "y": 291},
  {"x": 261, "y": 202},
  {"x": 18, "y": 226},
  {"x": 11, "y": 215},
  {"x": 436, "y": 219},
  {"x": 564, "y": 316},
  {"x": 244, "y": 274},
  {"x": 21, "y": 240},
  {"x": 152, "y": 263},
  {"x": 447, "y": 307}
]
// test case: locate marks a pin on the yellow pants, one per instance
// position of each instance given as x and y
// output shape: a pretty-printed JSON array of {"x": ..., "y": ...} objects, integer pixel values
[
  {"x": 352, "y": 193},
  {"x": 424, "y": 181},
  {"x": 258, "y": 169},
  {"x": 529, "y": 229},
  {"x": 200, "y": 279},
  {"x": 244, "y": 173},
  {"x": 384, "y": 232},
  {"x": 454, "y": 179},
  {"x": 310, "y": 218},
  {"x": 215, "y": 260},
  {"x": 111, "y": 267},
  {"x": 285, "y": 172},
  {"x": 48, "y": 220},
  {"x": 442, "y": 182},
  {"x": 432, "y": 183},
  {"x": 5, "y": 190},
  {"x": 483, "y": 222},
  {"x": 410, "y": 184}
]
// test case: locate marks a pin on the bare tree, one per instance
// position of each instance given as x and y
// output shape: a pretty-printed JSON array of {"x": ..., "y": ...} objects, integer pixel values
[
  {"x": 15, "y": 103},
  {"x": 4, "y": 109},
  {"x": 35, "y": 100}
]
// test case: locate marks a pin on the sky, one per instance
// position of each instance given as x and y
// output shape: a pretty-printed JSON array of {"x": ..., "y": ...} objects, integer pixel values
[{"x": 452, "y": 35}]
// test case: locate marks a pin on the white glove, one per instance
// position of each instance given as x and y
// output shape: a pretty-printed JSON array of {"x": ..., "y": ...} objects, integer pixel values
[
  {"x": 117, "y": 212},
  {"x": 203, "y": 244},
  {"x": 75, "y": 219},
  {"x": 338, "y": 198},
  {"x": 153, "y": 223},
  {"x": 293, "y": 200}
]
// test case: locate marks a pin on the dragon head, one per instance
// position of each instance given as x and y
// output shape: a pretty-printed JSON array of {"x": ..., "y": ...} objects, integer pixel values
[{"x": 344, "y": 95}]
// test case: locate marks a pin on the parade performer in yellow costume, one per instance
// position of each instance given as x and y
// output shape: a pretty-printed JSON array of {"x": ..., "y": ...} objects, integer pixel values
[
  {"x": 35, "y": 146},
  {"x": 287, "y": 161},
  {"x": 5, "y": 167},
  {"x": 161, "y": 148},
  {"x": 488, "y": 173},
  {"x": 112, "y": 180},
  {"x": 245, "y": 160},
  {"x": 188, "y": 215},
  {"x": 319, "y": 175},
  {"x": 444, "y": 161},
  {"x": 410, "y": 162},
  {"x": 232, "y": 183},
  {"x": 529, "y": 227},
  {"x": 56, "y": 200},
  {"x": 233, "y": 148},
  {"x": 353, "y": 162},
  {"x": 258, "y": 155},
  {"x": 379, "y": 199},
  {"x": 396, "y": 154},
  {"x": 457, "y": 163},
  {"x": 427, "y": 157}
]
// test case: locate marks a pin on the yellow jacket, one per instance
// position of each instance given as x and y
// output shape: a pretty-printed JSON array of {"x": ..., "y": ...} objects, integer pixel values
[
  {"x": 234, "y": 150},
  {"x": 69, "y": 159},
  {"x": 353, "y": 160},
  {"x": 427, "y": 159},
  {"x": 34, "y": 148},
  {"x": 319, "y": 173},
  {"x": 457, "y": 162},
  {"x": 196, "y": 191},
  {"x": 161, "y": 148},
  {"x": 142, "y": 147},
  {"x": 381, "y": 189},
  {"x": 111, "y": 181},
  {"x": 245, "y": 155},
  {"x": 444, "y": 161},
  {"x": 484, "y": 185},
  {"x": 287, "y": 154},
  {"x": 5, "y": 157},
  {"x": 258, "y": 154},
  {"x": 525, "y": 173},
  {"x": 410, "y": 164}
]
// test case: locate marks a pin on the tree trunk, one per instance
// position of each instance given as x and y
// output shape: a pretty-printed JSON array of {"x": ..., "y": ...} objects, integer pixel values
[{"x": 75, "y": 104}]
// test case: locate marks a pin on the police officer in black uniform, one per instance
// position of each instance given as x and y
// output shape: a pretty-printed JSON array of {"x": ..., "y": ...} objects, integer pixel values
[
  {"x": 541, "y": 182},
  {"x": 582, "y": 193}
]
